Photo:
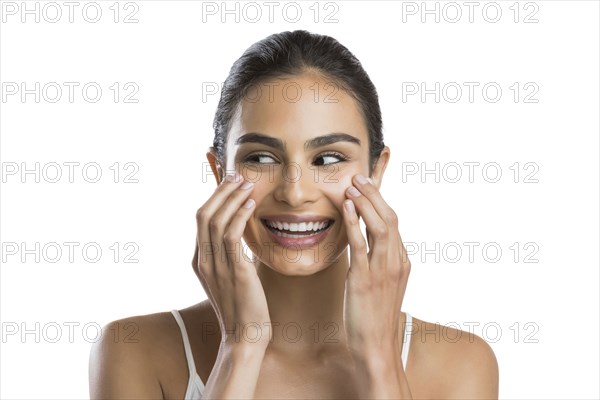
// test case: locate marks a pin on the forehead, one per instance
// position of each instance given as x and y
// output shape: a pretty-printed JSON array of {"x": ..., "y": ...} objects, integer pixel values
[{"x": 296, "y": 108}]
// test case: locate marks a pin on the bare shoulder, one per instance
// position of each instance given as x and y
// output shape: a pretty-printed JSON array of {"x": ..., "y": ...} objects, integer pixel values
[
  {"x": 139, "y": 357},
  {"x": 451, "y": 363}
]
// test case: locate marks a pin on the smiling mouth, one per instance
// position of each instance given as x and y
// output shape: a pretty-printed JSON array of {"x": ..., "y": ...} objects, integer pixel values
[{"x": 297, "y": 230}]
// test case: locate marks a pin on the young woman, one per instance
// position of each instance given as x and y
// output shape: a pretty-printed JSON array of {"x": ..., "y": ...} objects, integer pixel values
[{"x": 315, "y": 313}]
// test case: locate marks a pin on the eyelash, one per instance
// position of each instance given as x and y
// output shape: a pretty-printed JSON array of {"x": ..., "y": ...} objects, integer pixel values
[{"x": 327, "y": 154}]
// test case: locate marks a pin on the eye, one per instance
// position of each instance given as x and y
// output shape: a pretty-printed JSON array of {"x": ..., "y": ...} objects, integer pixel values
[
  {"x": 257, "y": 157},
  {"x": 334, "y": 156}
]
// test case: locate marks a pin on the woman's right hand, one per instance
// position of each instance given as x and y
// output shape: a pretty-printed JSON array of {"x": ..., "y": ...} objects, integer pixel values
[{"x": 229, "y": 279}]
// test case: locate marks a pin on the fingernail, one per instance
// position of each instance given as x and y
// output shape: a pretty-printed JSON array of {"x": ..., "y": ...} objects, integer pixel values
[
  {"x": 232, "y": 177},
  {"x": 248, "y": 204},
  {"x": 361, "y": 179},
  {"x": 353, "y": 191},
  {"x": 247, "y": 185},
  {"x": 349, "y": 206}
]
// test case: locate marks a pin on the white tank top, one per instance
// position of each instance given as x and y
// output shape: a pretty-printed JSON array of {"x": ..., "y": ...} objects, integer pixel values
[{"x": 195, "y": 385}]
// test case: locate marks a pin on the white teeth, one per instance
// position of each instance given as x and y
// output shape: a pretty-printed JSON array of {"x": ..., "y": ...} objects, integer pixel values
[
  {"x": 298, "y": 227},
  {"x": 289, "y": 235}
]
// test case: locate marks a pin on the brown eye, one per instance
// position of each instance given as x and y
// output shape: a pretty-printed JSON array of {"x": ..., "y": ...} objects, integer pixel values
[
  {"x": 327, "y": 157},
  {"x": 258, "y": 158}
]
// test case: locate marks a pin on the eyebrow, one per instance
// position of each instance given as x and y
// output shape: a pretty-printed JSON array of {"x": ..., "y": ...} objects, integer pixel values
[{"x": 319, "y": 141}]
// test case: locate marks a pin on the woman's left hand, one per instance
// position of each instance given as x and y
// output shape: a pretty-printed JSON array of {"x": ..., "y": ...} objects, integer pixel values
[{"x": 376, "y": 279}]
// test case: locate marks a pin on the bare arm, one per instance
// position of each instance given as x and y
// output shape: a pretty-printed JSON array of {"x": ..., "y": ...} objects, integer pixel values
[
  {"x": 120, "y": 370},
  {"x": 477, "y": 374}
]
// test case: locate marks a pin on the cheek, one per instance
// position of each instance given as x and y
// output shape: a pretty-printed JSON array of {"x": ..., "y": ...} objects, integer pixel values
[
  {"x": 336, "y": 191},
  {"x": 260, "y": 191}
]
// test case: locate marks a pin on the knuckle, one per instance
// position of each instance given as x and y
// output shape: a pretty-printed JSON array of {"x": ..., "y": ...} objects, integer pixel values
[
  {"x": 361, "y": 247},
  {"x": 381, "y": 232},
  {"x": 392, "y": 218},
  {"x": 215, "y": 225},
  {"x": 230, "y": 238},
  {"x": 395, "y": 273},
  {"x": 201, "y": 214},
  {"x": 354, "y": 221},
  {"x": 203, "y": 269},
  {"x": 370, "y": 189},
  {"x": 407, "y": 267}
]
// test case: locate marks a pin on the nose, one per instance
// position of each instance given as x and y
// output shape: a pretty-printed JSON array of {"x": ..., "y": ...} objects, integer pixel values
[{"x": 296, "y": 186}]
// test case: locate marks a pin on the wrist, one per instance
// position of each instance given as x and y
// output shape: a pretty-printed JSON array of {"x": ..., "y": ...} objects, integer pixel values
[
  {"x": 242, "y": 351},
  {"x": 378, "y": 377},
  {"x": 378, "y": 365},
  {"x": 375, "y": 356}
]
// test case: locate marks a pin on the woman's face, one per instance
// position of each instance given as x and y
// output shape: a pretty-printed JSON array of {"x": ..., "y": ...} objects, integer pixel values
[{"x": 279, "y": 141}]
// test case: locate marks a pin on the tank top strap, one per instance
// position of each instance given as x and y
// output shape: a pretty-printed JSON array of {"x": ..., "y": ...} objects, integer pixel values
[
  {"x": 186, "y": 343},
  {"x": 406, "y": 339}
]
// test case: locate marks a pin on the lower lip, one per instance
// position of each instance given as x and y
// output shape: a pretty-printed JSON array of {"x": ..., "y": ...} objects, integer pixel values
[{"x": 301, "y": 242}]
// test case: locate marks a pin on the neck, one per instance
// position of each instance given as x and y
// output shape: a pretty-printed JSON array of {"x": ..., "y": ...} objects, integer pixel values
[{"x": 307, "y": 309}]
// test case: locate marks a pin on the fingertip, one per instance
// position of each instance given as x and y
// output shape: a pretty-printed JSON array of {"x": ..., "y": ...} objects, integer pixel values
[
  {"x": 349, "y": 206},
  {"x": 249, "y": 203}
]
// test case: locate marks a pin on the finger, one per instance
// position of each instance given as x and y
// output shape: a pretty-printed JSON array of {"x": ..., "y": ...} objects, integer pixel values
[
  {"x": 359, "y": 261},
  {"x": 385, "y": 212},
  {"x": 231, "y": 182},
  {"x": 219, "y": 224},
  {"x": 377, "y": 229},
  {"x": 369, "y": 238},
  {"x": 235, "y": 230},
  {"x": 370, "y": 191},
  {"x": 207, "y": 249}
]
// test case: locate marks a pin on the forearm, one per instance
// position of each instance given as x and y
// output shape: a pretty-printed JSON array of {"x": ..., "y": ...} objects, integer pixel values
[{"x": 235, "y": 373}]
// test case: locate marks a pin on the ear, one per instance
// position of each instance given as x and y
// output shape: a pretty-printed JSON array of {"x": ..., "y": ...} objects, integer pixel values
[
  {"x": 380, "y": 166},
  {"x": 215, "y": 164}
]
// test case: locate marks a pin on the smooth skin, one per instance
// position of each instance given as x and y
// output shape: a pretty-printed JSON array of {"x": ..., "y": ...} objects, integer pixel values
[{"x": 344, "y": 295}]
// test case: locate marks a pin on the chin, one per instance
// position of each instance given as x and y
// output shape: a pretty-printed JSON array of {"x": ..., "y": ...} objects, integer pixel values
[
  {"x": 299, "y": 262},
  {"x": 305, "y": 266}
]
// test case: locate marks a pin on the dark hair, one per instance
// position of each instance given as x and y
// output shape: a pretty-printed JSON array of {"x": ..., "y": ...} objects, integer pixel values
[{"x": 292, "y": 53}]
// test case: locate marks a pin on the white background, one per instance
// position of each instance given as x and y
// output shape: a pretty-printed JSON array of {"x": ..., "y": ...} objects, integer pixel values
[{"x": 546, "y": 311}]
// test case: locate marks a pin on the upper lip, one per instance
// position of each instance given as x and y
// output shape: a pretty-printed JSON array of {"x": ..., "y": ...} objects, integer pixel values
[{"x": 296, "y": 218}]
